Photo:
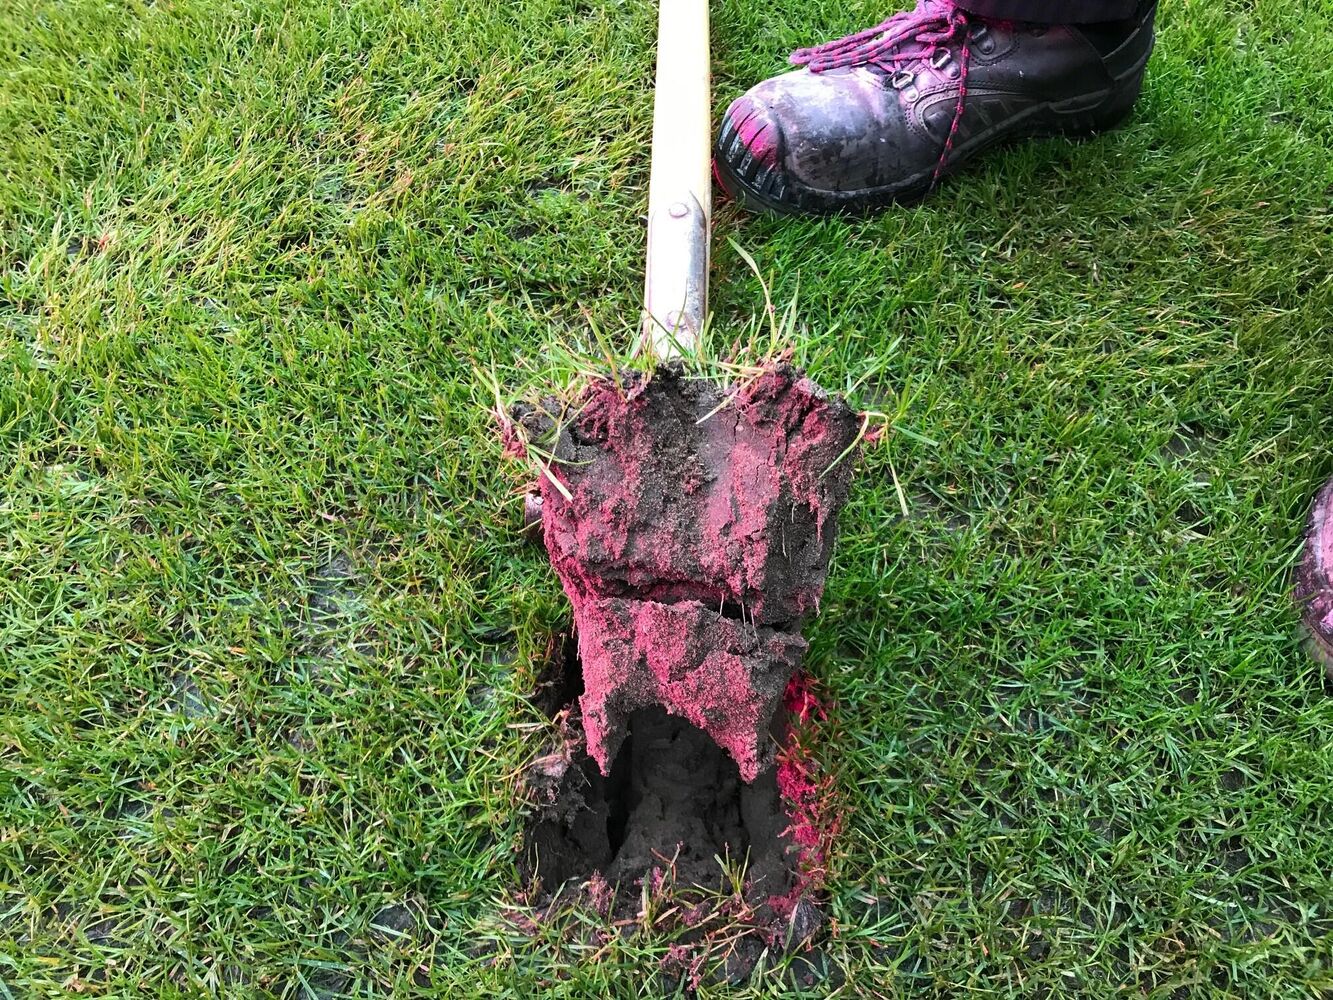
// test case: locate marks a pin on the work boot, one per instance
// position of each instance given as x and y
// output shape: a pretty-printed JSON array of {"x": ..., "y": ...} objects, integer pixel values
[
  {"x": 882, "y": 115},
  {"x": 1314, "y": 579}
]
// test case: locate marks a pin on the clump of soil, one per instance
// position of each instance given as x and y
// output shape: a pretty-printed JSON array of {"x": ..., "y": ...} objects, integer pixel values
[
  {"x": 725, "y": 676},
  {"x": 691, "y": 527}
]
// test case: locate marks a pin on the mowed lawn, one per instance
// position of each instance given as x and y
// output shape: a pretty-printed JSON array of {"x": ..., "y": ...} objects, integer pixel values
[{"x": 268, "y": 626}]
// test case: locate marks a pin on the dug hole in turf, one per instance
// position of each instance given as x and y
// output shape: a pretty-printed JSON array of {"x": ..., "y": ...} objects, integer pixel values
[{"x": 691, "y": 526}]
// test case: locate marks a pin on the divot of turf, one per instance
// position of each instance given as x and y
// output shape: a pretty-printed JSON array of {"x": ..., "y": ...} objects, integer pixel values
[{"x": 691, "y": 527}]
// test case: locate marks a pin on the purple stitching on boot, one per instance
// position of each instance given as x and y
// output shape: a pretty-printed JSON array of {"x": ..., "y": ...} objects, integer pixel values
[{"x": 964, "y": 53}]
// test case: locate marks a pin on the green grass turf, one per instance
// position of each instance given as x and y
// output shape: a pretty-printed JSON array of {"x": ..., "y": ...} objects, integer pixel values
[{"x": 267, "y": 625}]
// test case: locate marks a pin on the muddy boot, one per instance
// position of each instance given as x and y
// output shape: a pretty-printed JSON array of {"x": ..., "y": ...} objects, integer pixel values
[
  {"x": 1314, "y": 579},
  {"x": 882, "y": 115}
]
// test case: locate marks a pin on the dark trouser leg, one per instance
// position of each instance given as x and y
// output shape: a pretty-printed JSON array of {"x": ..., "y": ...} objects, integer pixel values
[{"x": 1052, "y": 11}]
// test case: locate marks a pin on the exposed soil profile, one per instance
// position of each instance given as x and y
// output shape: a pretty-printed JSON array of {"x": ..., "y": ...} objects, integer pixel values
[
  {"x": 673, "y": 798},
  {"x": 673, "y": 801},
  {"x": 672, "y": 806},
  {"x": 691, "y": 528}
]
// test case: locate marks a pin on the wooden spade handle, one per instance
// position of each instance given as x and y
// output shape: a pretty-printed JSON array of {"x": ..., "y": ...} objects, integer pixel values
[{"x": 680, "y": 190}]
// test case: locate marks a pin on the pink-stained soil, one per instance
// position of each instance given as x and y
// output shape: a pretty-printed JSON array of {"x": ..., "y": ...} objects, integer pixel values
[
  {"x": 693, "y": 542},
  {"x": 1314, "y": 577},
  {"x": 725, "y": 676},
  {"x": 807, "y": 793},
  {"x": 739, "y": 509},
  {"x": 691, "y": 527}
]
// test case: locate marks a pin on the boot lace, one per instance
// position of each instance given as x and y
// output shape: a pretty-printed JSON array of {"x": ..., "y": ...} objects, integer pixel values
[{"x": 904, "y": 38}]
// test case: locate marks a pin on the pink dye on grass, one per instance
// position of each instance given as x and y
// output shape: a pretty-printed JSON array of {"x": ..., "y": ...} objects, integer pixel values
[{"x": 808, "y": 796}]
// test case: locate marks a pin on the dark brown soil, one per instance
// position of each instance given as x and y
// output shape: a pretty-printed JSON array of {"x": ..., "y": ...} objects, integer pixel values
[
  {"x": 674, "y": 802},
  {"x": 691, "y": 527}
]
